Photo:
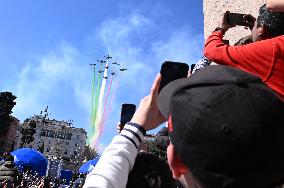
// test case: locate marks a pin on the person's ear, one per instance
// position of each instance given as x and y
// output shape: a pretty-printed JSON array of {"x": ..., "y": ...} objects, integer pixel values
[
  {"x": 177, "y": 166},
  {"x": 263, "y": 32}
]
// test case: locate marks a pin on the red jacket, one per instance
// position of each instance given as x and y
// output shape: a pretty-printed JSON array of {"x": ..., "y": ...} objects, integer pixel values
[{"x": 264, "y": 58}]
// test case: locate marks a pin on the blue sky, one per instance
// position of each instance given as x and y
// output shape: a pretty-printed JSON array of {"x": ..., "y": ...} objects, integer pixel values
[{"x": 46, "y": 48}]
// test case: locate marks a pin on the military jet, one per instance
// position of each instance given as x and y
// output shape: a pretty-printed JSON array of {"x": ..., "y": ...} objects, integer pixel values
[
  {"x": 105, "y": 77},
  {"x": 108, "y": 56},
  {"x": 100, "y": 71},
  {"x": 115, "y": 63},
  {"x": 106, "y": 67},
  {"x": 113, "y": 73},
  {"x": 92, "y": 64},
  {"x": 101, "y": 61},
  {"x": 123, "y": 69}
]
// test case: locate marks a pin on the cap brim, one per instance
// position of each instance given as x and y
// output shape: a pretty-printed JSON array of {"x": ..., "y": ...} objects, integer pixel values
[
  {"x": 206, "y": 76},
  {"x": 166, "y": 94}
]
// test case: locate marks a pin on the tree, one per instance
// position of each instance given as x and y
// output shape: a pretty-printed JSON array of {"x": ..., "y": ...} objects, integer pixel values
[
  {"x": 41, "y": 148},
  {"x": 28, "y": 133},
  {"x": 6, "y": 105},
  {"x": 154, "y": 149},
  {"x": 90, "y": 153},
  {"x": 86, "y": 154}
]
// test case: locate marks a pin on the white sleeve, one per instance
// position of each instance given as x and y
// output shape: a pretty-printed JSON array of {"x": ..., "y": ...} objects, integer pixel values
[{"x": 117, "y": 160}]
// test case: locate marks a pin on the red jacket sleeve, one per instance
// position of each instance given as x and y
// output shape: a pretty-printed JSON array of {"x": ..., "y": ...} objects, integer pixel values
[{"x": 255, "y": 58}]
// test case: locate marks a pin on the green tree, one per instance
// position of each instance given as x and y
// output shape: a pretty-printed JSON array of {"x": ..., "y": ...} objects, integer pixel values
[
  {"x": 41, "y": 148},
  {"x": 154, "y": 149},
  {"x": 90, "y": 153},
  {"x": 28, "y": 133}
]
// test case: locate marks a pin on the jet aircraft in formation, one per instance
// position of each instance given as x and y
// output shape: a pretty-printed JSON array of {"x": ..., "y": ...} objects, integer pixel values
[
  {"x": 108, "y": 56},
  {"x": 123, "y": 69},
  {"x": 115, "y": 63}
]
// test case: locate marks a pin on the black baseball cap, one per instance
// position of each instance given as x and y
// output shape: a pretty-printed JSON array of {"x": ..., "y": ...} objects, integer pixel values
[{"x": 227, "y": 127}]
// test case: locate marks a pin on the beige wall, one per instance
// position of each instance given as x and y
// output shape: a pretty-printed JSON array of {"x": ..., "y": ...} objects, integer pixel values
[{"x": 213, "y": 11}]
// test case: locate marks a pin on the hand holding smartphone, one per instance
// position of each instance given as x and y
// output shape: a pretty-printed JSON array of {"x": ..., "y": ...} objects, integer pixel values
[
  {"x": 240, "y": 19},
  {"x": 171, "y": 71},
  {"x": 127, "y": 112},
  {"x": 235, "y": 19}
]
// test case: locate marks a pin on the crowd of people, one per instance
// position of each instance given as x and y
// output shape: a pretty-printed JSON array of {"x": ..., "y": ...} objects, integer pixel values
[
  {"x": 13, "y": 177},
  {"x": 224, "y": 125}
]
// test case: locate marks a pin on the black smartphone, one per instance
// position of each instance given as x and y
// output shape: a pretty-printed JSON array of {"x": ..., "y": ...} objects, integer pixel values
[
  {"x": 127, "y": 112},
  {"x": 171, "y": 71},
  {"x": 236, "y": 19}
]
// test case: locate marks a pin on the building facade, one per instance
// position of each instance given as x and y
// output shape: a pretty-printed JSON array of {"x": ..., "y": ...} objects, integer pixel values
[{"x": 53, "y": 138}]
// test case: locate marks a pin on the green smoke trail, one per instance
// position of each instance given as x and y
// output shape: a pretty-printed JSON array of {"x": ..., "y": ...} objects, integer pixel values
[
  {"x": 92, "y": 110},
  {"x": 93, "y": 88},
  {"x": 95, "y": 105}
]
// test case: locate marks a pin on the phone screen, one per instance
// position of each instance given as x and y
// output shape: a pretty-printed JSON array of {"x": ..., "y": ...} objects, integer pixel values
[
  {"x": 171, "y": 71},
  {"x": 235, "y": 19},
  {"x": 127, "y": 112}
]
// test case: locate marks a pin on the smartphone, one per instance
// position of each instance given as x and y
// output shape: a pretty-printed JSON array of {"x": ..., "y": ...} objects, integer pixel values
[
  {"x": 171, "y": 71},
  {"x": 127, "y": 112},
  {"x": 235, "y": 19}
]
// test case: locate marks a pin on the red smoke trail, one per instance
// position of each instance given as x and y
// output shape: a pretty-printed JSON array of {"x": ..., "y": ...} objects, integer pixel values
[{"x": 112, "y": 98}]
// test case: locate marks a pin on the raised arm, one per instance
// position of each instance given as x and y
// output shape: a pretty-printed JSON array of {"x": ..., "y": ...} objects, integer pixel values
[{"x": 275, "y": 5}]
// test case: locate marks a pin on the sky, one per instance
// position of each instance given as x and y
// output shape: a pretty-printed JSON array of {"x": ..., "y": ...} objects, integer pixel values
[{"x": 46, "y": 47}]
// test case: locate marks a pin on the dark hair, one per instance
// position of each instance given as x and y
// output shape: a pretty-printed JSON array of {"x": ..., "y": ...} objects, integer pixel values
[
  {"x": 46, "y": 182},
  {"x": 272, "y": 21},
  {"x": 244, "y": 41},
  {"x": 150, "y": 171}
]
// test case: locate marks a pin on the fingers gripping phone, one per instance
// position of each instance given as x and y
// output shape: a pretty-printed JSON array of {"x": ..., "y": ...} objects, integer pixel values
[
  {"x": 171, "y": 71},
  {"x": 236, "y": 19},
  {"x": 127, "y": 112}
]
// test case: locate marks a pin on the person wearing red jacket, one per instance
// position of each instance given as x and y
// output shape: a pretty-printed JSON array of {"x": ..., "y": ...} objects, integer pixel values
[{"x": 264, "y": 57}]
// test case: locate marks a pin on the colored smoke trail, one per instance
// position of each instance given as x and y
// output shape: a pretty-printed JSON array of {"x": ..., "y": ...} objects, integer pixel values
[
  {"x": 93, "y": 88},
  {"x": 112, "y": 98},
  {"x": 99, "y": 109},
  {"x": 105, "y": 105},
  {"x": 95, "y": 98},
  {"x": 92, "y": 101}
]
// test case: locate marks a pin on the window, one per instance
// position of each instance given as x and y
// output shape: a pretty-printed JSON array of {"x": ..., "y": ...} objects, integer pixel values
[
  {"x": 68, "y": 136},
  {"x": 51, "y": 133}
]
